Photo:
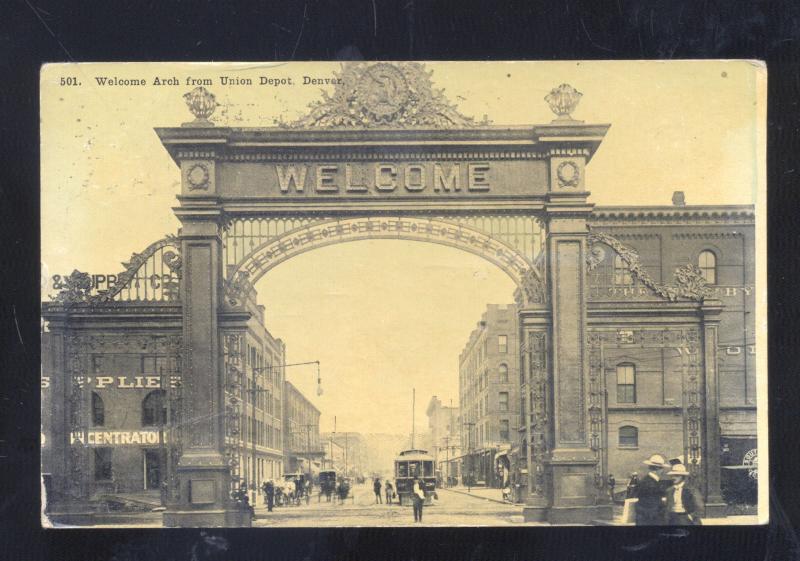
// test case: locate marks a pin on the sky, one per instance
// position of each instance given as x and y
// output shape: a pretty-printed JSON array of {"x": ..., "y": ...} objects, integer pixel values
[{"x": 382, "y": 317}]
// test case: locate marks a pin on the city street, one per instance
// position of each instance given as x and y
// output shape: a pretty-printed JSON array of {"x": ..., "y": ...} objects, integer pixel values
[{"x": 452, "y": 509}]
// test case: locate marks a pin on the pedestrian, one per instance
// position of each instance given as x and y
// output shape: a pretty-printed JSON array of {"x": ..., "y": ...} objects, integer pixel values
[
  {"x": 611, "y": 484},
  {"x": 308, "y": 490},
  {"x": 389, "y": 491},
  {"x": 682, "y": 503},
  {"x": 418, "y": 498},
  {"x": 650, "y": 509},
  {"x": 269, "y": 494},
  {"x": 376, "y": 486},
  {"x": 247, "y": 507},
  {"x": 633, "y": 483}
]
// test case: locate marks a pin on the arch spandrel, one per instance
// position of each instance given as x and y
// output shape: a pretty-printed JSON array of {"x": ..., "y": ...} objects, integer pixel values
[{"x": 324, "y": 232}]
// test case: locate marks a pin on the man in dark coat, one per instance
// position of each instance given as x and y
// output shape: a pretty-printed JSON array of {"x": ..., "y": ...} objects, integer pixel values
[
  {"x": 683, "y": 504},
  {"x": 376, "y": 486},
  {"x": 269, "y": 494},
  {"x": 650, "y": 509}
]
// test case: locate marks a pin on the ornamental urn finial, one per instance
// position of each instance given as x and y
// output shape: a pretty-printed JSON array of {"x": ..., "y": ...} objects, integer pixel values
[
  {"x": 563, "y": 100},
  {"x": 202, "y": 104}
]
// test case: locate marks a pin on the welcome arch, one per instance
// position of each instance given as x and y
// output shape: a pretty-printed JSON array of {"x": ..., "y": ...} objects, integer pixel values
[
  {"x": 321, "y": 233},
  {"x": 385, "y": 155}
]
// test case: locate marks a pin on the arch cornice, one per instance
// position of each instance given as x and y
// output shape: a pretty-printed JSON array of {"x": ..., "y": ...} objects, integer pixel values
[{"x": 322, "y": 233}]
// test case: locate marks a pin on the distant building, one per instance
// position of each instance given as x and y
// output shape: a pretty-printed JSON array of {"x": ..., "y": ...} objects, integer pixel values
[
  {"x": 489, "y": 394},
  {"x": 303, "y": 450},
  {"x": 349, "y": 452},
  {"x": 445, "y": 436}
]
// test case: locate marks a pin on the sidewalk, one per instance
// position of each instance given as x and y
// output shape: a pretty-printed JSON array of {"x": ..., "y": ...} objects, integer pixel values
[{"x": 489, "y": 494}]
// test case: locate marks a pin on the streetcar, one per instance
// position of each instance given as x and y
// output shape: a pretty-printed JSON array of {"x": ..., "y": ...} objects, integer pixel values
[{"x": 409, "y": 465}]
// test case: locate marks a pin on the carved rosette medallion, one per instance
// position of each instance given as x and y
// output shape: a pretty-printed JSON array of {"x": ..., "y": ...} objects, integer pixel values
[
  {"x": 197, "y": 177},
  {"x": 568, "y": 174}
]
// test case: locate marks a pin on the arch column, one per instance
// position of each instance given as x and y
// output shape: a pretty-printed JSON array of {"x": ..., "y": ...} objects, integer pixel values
[
  {"x": 570, "y": 494},
  {"x": 203, "y": 495}
]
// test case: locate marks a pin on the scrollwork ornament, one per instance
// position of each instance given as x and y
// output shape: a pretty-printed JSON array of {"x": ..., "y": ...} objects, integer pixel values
[
  {"x": 689, "y": 281},
  {"x": 374, "y": 95},
  {"x": 533, "y": 289},
  {"x": 594, "y": 257},
  {"x": 77, "y": 288},
  {"x": 237, "y": 289}
]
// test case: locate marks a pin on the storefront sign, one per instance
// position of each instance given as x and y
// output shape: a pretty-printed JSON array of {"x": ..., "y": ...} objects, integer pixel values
[
  {"x": 721, "y": 292},
  {"x": 121, "y": 382},
  {"x": 118, "y": 438},
  {"x": 107, "y": 282}
]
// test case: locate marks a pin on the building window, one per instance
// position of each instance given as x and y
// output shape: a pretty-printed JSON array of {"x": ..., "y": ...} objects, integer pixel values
[
  {"x": 102, "y": 464},
  {"x": 628, "y": 437},
  {"x": 97, "y": 364},
  {"x": 154, "y": 365},
  {"x": 626, "y": 383},
  {"x": 98, "y": 411},
  {"x": 154, "y": 409},
  {"x": 503, "y": 373},
  {"x": 502, "y": 344},
  {"x": 504, "y": 429},
  {"x": 503, "y": 401},
  {"x": 622, "y": 273},
  {"x": 707, "y": 262}
]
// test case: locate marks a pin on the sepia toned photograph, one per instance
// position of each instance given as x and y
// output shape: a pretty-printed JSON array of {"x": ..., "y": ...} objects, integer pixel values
[{"x": 324, "y": 294}]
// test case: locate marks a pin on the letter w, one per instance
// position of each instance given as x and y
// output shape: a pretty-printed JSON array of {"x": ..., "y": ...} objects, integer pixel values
[{"x": 289, "y": 176}]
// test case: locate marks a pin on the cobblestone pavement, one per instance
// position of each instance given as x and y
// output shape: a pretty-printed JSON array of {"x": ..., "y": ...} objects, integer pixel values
[{"x": 452, "y": 509}]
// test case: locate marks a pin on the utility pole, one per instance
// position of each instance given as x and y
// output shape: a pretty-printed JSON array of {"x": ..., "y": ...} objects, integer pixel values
[
  {"x": 469, "y": 426},
  {"x": 413, "y": 411}
]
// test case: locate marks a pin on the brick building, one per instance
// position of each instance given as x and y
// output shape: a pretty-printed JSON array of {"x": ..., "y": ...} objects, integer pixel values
[
  {"x": 113, "y": 417},
  {"x": 489, "y": 393},
  {"x": 644, "y": 356}
]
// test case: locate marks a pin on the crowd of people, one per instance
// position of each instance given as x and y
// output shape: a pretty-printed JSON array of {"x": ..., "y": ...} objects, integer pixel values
[{"x": 665, "y": 495}]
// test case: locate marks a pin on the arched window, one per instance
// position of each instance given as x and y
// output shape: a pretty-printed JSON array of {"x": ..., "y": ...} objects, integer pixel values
[
  {"x": 98, "y": 410},
  {"x": 622, "y": 273},
  {"x": 626, "y": 383},
  {"x": 503, "y": 373},
  {"x": 628, "y": 437},
  {"x": 707, "y": 261},
  {"x": 154, "y": 409}
]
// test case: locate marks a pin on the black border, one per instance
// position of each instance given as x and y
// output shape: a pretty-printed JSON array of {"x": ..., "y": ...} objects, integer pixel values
[{"x": 32, "y": 33}]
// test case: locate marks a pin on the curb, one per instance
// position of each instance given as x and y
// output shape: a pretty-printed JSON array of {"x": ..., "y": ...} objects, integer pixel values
[{"x": 500, "y": 501}]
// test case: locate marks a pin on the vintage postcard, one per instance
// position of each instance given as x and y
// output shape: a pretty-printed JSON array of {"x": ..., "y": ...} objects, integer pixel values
[{"x": 403, "y": 293}]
